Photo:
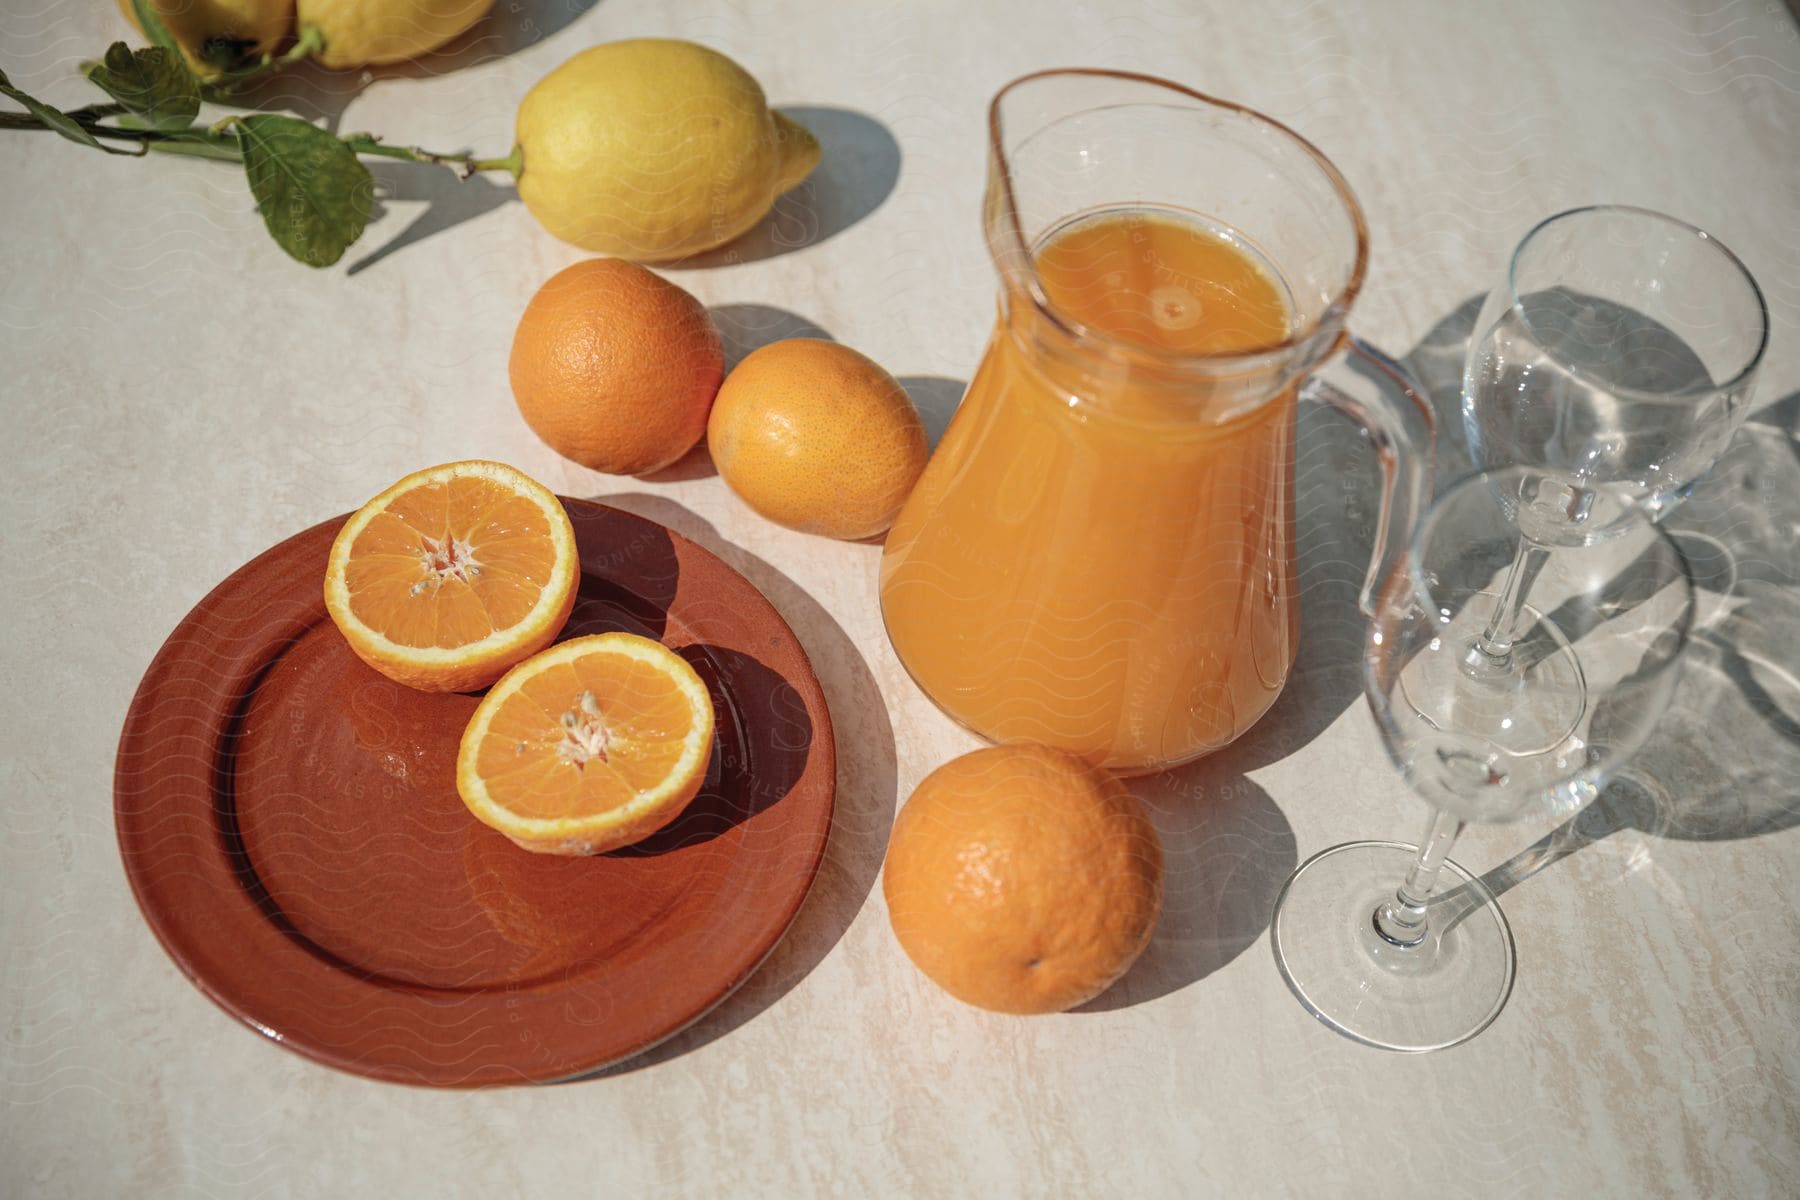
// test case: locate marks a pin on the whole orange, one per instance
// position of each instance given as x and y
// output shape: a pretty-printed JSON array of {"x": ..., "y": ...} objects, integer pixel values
[
  {"x": 615, "y": 367},
  {"x": 817, "y": 437},
  {"x": 1021, "y": 879}
]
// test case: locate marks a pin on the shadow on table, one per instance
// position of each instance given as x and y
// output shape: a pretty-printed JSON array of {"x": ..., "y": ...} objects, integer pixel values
[
  {"x": 936, "y": 397},
  {"x": 859, "y": 166},
  {"x": 1722, "y": 763},
  {"x": 449, "y": 201},
  {"x": 1783, "y": 418},
  {"x": 744, "y": 328},
  {"x": 1226, "y": 850},
  {"x": 866, "y": 786}
]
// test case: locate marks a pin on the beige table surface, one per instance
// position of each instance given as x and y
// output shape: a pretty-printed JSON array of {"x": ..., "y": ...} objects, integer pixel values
[{"x": 178, "y": 396}]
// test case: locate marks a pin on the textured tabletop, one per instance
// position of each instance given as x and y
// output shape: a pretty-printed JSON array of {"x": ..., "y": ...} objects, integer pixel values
[{"x": 178, "y": 396}]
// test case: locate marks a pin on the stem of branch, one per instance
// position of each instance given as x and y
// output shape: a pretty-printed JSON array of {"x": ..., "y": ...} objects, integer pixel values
[
  {"x": 220, "y": 143},
  {"x": 310, "y": 42},
  {"x": 201, "y": 145},
  {"x": 464, "y": 165}
]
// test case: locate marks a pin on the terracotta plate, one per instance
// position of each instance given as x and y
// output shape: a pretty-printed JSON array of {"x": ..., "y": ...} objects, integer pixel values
[{"x": 290, "y": 826}]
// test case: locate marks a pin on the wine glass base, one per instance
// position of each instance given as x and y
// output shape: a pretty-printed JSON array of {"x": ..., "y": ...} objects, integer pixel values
[
  {"x": 1444, "y": 990},
  {"x": 1527, "y": 702}
]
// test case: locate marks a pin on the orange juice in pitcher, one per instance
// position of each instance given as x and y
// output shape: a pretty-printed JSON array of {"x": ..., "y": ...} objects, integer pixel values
[{"x": 1100, "y": 555}]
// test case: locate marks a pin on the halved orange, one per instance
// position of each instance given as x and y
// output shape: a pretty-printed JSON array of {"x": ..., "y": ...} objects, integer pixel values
[
  {"x": 590, "y": 745},
  {"x": 450, "y": 577}
]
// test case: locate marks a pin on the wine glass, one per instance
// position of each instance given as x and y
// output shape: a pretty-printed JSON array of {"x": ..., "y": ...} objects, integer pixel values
[
  {"x": 1619, "y": 356},
  {"x": 1408, "y": 968}
]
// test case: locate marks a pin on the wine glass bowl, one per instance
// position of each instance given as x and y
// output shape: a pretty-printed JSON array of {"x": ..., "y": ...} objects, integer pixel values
[
  {"x": 1595, "y": 655},
  {"x": 1590, "y": 667},
  {"x": 1616, "y": 358},
  {"x": 1621, "y": 349}
]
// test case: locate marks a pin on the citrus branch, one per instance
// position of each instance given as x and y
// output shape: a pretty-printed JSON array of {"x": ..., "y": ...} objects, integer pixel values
[
  {"x": 219, "y": 142},
  {"x": 464, "y": 165},
  {"x": 314, "y": 194}
]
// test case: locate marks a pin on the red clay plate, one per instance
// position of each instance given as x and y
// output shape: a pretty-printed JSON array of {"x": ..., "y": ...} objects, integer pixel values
[{"x": 290, "y": 825}]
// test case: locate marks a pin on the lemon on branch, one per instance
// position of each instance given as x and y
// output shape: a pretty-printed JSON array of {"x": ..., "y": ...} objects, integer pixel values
[
  {"x": 366, "y": 33},
  {"x": 648, "y": 149}
]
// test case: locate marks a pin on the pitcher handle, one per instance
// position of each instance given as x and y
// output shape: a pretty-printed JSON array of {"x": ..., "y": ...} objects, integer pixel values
[{"x": 1380, "y": 395}]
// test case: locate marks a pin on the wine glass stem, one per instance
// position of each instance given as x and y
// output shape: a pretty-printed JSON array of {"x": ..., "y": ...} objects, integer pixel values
[
  {"x": 1496, "y": 641},
  {"x": 1402, "y": 920}
]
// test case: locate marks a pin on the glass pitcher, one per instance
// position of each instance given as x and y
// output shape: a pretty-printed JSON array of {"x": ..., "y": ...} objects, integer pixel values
[{"x": 1100, "y": 555}]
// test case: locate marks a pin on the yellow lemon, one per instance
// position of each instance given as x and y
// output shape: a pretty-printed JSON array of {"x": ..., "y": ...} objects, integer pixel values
[
  {"x": 363, "y": 33},
  {"x": 215, "y": 34},
  {"x": 654, "y": 148}
]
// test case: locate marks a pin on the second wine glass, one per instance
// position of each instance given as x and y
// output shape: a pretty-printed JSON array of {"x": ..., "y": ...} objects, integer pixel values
[
  {"x": 1617, "y": 357},
  {"x": 1408, "y": 968}
]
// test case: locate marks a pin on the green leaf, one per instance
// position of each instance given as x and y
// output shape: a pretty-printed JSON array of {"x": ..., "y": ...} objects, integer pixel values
[
  {"x": 151, "y": 22},
  {"x": 153, "y": 84},
  {"x": 314, "y": 195},
  {"x": 55, "y": 118}
]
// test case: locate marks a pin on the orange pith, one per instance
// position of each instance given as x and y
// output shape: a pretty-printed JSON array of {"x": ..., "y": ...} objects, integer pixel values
[
  {"x": 593, "y": 744},
  {"x": 454, "y": 574}
]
